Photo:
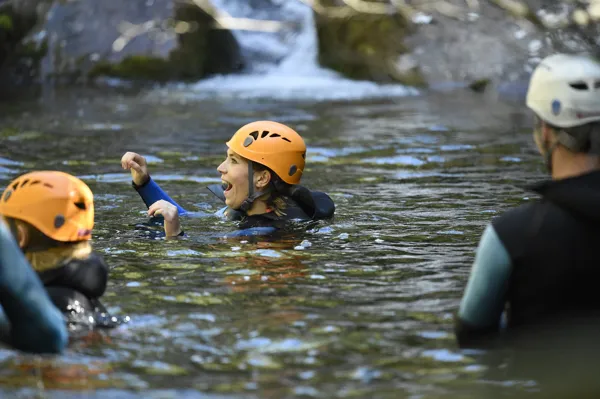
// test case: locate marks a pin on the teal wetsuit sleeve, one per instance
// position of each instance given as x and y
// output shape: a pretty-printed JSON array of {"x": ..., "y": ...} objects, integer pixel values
[
  {"x": 36, "y": 325},
  {"x": 151, "y": 192},
  {"x": 484, "y": 298}
]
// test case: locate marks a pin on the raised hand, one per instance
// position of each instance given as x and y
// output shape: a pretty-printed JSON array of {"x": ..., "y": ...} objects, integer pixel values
[{"x": 137, "y": 165}]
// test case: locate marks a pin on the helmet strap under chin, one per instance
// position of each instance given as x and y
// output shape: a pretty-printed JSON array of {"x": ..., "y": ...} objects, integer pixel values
[
  {"x": 548, "y": 151},
  {"x": 252, "y": 196}
]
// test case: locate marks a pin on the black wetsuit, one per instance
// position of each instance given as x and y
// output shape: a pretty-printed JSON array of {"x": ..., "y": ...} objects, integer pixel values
[
  {"x": 82, "y": 280},
  {"x": 75, "y": 287},
  {"x": 539, "y": 262},
  {"x": 301, "y": 205}
]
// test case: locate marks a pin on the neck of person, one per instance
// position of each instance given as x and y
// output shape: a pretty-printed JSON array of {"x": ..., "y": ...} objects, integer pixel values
[
  {"x": 567, "y": 164},
  {"x": 259, "y": 206}
]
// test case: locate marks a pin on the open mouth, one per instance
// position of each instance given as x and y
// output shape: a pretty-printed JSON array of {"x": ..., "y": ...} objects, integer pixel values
[{"x": 226, "y": 185}]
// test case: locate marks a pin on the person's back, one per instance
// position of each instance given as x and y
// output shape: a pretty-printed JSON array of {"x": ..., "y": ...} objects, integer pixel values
[
  {"x": 553, "y": 246},
  {"x": 539, "y": 262}
]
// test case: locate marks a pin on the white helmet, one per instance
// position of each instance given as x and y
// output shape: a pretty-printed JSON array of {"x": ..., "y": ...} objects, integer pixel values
[{"x": 565, "y": 90}]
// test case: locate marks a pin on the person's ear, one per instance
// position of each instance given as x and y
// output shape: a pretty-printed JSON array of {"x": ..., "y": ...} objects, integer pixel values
[
  {"x": 262, "y": 179},
  {"x": 23, "y": 236}
]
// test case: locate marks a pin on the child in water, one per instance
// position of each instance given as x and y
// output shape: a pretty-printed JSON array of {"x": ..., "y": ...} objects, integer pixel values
[
  {"x": 260, "y": 182},
  {"x": 51, "y": 216}
]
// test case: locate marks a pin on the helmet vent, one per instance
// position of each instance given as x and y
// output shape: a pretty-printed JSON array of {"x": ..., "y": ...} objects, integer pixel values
[
  {"x": 7, "y": 195},
  {"x": 35, "y": 182},
  {"x": 59, "y": 221},
  {"x": 579, "y": 85},
  {"x": 275, "y": 135},
  {"x": 80, "y": 205},
  {"x": 264, "y": 134},
  {"x": 24, "y": 182},
  {"x": 286, "y": 139},
  {"x": 48, "y": 185},
  {"x": 304, "y": 155},
  {"x": 15, "y": 186},
  {"x": 255, "y": 135}
]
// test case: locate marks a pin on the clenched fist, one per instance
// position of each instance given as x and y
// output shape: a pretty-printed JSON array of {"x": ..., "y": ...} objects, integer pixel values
[{"x": 137, "y": 165}]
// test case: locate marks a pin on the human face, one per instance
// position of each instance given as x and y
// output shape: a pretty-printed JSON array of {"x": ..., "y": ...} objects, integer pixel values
[{"x": 234, "y": 173}]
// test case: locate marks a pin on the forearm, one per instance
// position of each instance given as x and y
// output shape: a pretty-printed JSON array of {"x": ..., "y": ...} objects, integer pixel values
[{"x": 151, "y": 193}]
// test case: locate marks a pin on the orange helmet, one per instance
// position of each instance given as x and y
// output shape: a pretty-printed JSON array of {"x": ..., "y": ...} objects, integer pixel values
[
  {"x": 59, "y": 205},
  {"x": 273, "y": 145}
]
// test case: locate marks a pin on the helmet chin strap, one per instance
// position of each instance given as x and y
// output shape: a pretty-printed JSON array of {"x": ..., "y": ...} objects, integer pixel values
[
  {"x": 252, "y": 196},
  {"x": 549, "y": 150}
]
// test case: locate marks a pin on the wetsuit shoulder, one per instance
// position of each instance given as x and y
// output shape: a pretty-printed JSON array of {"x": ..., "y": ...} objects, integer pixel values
[
  {"x": 324, "y": 206},
  {"x": 88, "y": 276},
  {"x": 517, "y": 226},
  {"x": 315, "y": 204}
]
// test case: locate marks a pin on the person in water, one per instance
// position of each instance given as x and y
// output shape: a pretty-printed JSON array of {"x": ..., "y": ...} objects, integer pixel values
[
  {"x": 29, "y": 321},
  {"x": 260, "y": 182},
  {"x": 51, "y": 216},
  {"x": 538, "y": 263}
]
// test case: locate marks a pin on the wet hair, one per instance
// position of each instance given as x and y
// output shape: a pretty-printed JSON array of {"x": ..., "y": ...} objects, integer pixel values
[
  {"x": 36, "y": 237},
  {"x": 582, "y": 138},
  {"x": 45, "y": 253},
  {"x": 275, "y": 197}
]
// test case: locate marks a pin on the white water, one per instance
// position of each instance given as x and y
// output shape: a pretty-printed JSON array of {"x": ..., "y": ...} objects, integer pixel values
[{"x": 283, "y": 65}]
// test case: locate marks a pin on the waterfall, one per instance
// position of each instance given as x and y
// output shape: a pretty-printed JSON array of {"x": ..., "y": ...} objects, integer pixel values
[{"x": 284, "y": 64}]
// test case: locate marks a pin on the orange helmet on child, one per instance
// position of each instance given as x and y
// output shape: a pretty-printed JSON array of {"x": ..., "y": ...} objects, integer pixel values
[
  {"x": 273, "y": 145},
  {"x": 59, "y": 205}
]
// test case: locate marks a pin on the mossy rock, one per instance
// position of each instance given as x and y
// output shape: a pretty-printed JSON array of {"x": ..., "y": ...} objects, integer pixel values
[
  {"x": 135, "y": 67},
  {"x": 201, "y": 51},
  {"x": 366, "y": 47},
  {"x": 86, "y": 39}
]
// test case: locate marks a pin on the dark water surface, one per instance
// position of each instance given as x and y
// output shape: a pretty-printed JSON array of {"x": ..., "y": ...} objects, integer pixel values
[{"x": 359, "y": 307}]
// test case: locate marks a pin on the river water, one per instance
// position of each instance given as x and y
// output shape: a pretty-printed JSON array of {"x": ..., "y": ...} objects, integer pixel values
[{"x": 360, "y": 306}]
